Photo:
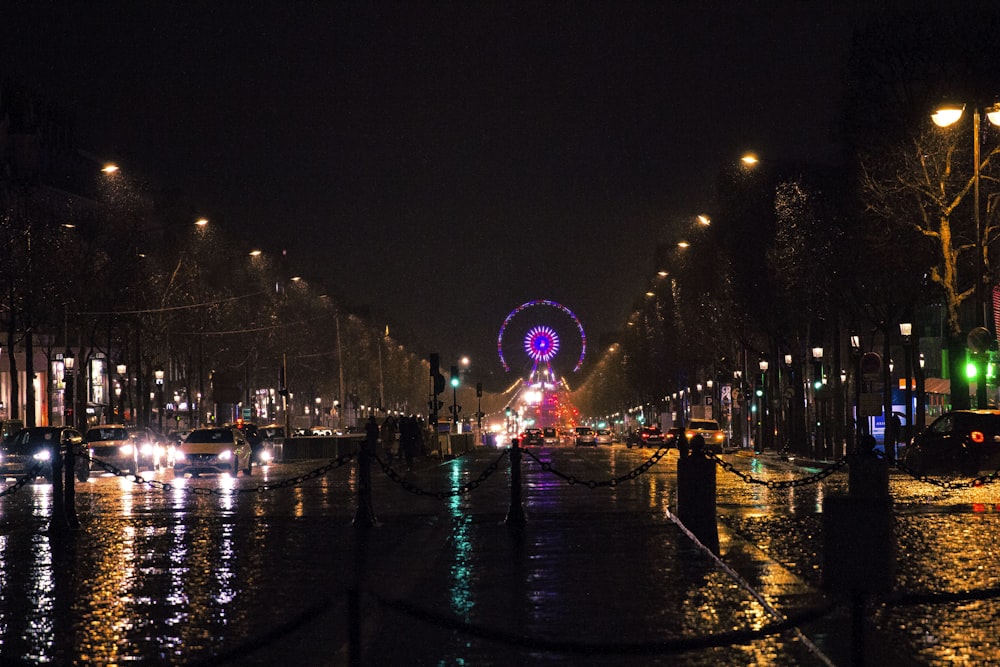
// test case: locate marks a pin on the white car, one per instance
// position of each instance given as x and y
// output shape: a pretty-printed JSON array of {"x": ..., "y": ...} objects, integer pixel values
[
  {"x": 213, "y": 450},
  {"x": 604, "y": 437}
]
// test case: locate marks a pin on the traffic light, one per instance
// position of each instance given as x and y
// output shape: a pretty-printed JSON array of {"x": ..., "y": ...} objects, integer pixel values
[
  {"x": 479, "y": 389},
  {"x": 454, "y": 377},
  {"x": 435, "y": 361}
]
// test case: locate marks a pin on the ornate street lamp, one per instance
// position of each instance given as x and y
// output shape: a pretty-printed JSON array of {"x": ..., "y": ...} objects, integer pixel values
[
  {"x": 158, "y": 375},
  {"x": 121, "y": 369},
  {"x": 945, "y": 116}
]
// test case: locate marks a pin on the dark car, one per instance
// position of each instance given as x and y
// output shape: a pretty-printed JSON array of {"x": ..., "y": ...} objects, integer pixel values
[
  {"x": 673, "y": 436},
  {"x": 255, "y": 438},
  {"x": 22, "y": 451},
  {"x": 110, "y": 444},
  {"x": 962, "y": 441},
  {"x": 647, "y": 436},
  {"x": 550, "y": 436},
  {"x": 532, "y": 437},
  {"x": 585, "y": 436}
]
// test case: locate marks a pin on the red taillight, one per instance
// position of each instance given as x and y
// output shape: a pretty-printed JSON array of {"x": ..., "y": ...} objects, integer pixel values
[
  {"x": 977, "y": 437},
  {"x": 645, "y": 436}
]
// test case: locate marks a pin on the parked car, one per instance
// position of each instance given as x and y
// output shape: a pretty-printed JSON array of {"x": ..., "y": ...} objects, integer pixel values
[
  {"x": 532, "y": 437},
  {"x": 604, "y": 437},
  {"x": 708, "y": 429},
  {"x": 962, "y": 441},
  {"x": 550, "y": 437},
  {"x": 214, "y": 450},
  {"x": 110, "y": 443},
  {"x": 647, "y": 436},
  {"x": 585, "y": 436},
  {"x": 20, "y": 452}
]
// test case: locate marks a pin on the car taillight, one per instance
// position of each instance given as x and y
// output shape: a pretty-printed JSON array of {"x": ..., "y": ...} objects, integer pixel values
[
  {"x": 977, "y": 437},
  {"x": 645, "y": 436}
]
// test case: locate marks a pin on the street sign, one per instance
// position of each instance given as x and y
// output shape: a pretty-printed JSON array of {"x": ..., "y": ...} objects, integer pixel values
[
  {"x": 871, "y": 366},
  {"x": 246, "y": 413}
]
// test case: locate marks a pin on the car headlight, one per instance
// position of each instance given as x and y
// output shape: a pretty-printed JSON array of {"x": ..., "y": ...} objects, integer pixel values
[
  {"x": 265, "y": 455},
  {"x": 146, "y": 449},
  {"x": 178, "y": 455},
  {"x": 225, "y": 455},
  {"x": 43, "y": 455},
  {"x": 126, "y": 450}
]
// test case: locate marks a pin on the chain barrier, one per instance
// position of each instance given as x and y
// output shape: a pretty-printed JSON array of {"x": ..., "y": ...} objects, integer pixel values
[
  {"x": 22, "y": 481},
  {"x": 539, "y": 643},
  {"x": 781, "y": 484},
  {"x": 471, "y": 485},
  {"x": 593, "y": 484},
  {"x": 983, "y": 480},
  {"x": 208, "y": 491}
]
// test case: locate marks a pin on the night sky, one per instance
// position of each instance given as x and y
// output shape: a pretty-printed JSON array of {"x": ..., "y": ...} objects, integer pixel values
[{"x": 444, "y": 163}]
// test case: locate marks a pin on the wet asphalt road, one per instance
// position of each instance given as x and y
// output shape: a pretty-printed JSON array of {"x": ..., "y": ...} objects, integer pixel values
[{"x": 217, "y": 571}]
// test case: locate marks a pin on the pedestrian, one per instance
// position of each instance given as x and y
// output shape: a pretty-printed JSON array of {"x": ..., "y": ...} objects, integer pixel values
[
  {"x": 409, "y": 439},
  {"x": 371, "y": 435},
  {"x": 388, "y": 435}
]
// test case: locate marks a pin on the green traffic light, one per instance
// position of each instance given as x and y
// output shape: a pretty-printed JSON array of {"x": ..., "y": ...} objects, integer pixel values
[
  {"x": 970, "y": 370},
  {"x": 454, "y": 382}
]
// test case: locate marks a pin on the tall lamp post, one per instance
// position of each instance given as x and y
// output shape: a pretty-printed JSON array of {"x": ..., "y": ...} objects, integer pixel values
[
  {"x": 946, "y": 116},
  {"x": 819, "y": 443},
  {"x": 905, "y": 332},
  {"x": 762, "y": 405},
  {"x": 121, "y": 369},
  {"x": 158, "y": 376},
  {"x": 69, "y": 416}
]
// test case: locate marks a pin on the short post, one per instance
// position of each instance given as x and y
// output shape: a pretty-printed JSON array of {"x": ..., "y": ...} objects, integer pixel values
[
  {"x": 859, "y": 542},
  {"x": 515, "y": 514},
  {"x": 58, "y": 521},
  {"x": 364, "y": 515},
  {"x": 696, "y": 494},
  {"x": 69, "y": 466}
]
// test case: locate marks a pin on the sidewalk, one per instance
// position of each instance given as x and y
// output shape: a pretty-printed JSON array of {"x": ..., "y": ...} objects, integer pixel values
[{"x": 596, "y": 577}]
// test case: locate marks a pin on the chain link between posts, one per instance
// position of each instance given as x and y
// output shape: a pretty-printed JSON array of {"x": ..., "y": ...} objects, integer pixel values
[
  {"x": 208, "y": 491},
  {"x": 781, "y": 484},
  {"x": 22, "y": 481},
  {"x": 975, "y": 482},
  {"x": 469, "y": 486},
  {"x": 593, "y": 484}
]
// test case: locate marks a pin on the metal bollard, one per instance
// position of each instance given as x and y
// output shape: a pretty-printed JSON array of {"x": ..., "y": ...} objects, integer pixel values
[
  {"x": 859, "y": 550},
  {"x": 364, "y": 515},
  {"x": 696, "y": 494},
  {"x": 69, "y": 466},
  {"x": 515, "y": 514}
]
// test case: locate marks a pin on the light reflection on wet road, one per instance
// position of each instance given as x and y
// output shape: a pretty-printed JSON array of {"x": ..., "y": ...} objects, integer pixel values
[{"x": 166, "y": 577}]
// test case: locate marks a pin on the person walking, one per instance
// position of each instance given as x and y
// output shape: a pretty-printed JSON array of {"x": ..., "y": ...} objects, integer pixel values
[{"x": 389, "y": 438}]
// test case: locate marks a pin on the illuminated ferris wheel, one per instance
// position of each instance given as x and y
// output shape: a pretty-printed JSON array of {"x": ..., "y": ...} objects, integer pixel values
[{"x": 541, "y": 342}]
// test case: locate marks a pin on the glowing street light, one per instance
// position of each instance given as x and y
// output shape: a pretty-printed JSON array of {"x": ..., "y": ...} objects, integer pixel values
[{"x": 945, "y": 116}]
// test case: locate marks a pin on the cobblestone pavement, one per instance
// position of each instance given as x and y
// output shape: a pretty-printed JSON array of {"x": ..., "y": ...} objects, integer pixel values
[{"x": 599, "y": 574}]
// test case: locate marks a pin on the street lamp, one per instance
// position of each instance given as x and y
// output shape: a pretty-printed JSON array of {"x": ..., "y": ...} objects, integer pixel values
[
  {"x": 906, "y": 331},
  {"x": 121, "y": 369},
  {"x": 69, "y": 361},
  {"x": 158, "y": 375},
  {"x": 946, "y": 116}
]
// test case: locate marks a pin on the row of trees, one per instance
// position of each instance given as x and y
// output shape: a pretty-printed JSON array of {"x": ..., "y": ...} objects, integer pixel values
[
  {"x": 101, "y": 264},
  {"x": 799, "y": 256}
]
